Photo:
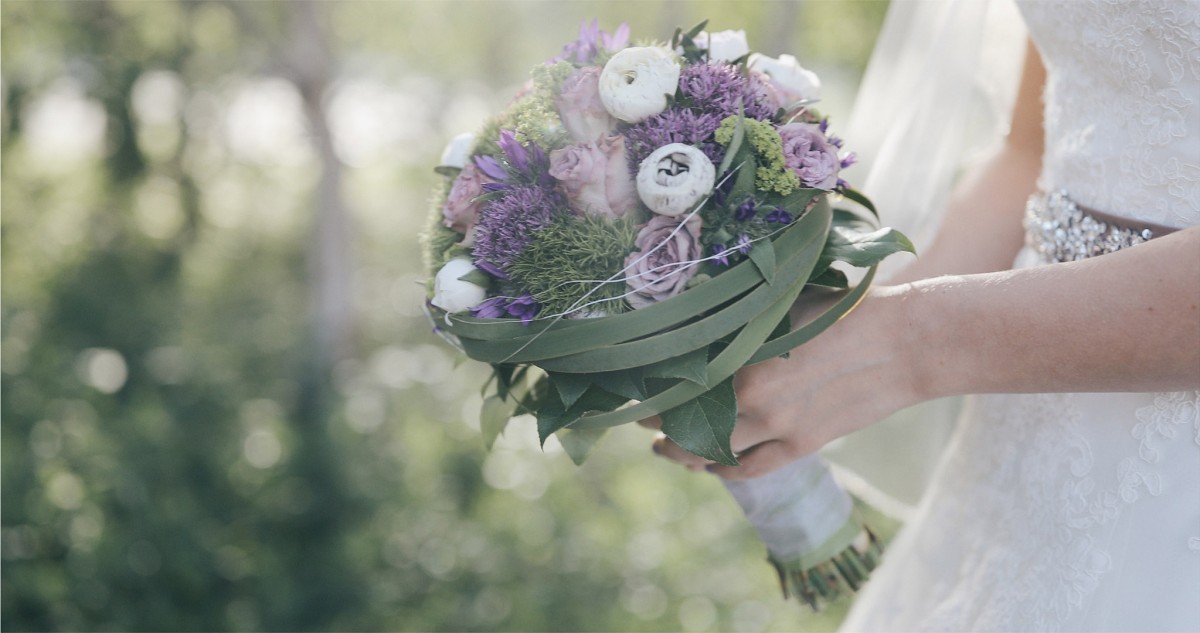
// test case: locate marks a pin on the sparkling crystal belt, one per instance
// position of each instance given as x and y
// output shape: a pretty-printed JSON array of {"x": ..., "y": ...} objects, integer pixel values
[{"x": 1062, "y": 231}]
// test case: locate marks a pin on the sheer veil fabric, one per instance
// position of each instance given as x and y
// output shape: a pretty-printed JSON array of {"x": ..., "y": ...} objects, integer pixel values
[{"x": 937, "y": 94}]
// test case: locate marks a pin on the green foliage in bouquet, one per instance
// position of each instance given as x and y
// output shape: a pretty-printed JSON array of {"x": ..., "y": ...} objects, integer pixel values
[
  {"x": 577, "y": 263},
  {"x": 770, "y": 171}
]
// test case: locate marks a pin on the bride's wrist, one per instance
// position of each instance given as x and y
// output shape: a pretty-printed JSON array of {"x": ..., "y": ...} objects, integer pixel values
[{"x": 909, "y": 331}]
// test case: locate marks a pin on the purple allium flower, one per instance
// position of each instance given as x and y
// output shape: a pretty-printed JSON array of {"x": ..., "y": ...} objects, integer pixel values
[
  {"x": 673, "y": 126},
  {"x": 779, "y": 216},
  {"x": 743, "y": 243},
  {"x": 715, "y": 88},
  {"x": 849, "y": 160},
  {"x": 506, "y": 225},
  {"x": 591, "y": 40}
]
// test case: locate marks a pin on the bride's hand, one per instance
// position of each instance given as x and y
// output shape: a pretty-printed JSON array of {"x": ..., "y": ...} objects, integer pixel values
[{"x": 854, "y": 374}]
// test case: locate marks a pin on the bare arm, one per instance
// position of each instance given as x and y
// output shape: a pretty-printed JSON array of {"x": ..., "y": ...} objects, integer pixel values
[{"x": 1129, "y": 321}]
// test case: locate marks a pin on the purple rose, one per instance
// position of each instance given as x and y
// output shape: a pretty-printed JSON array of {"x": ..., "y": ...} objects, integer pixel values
[
  {"x": 811, "y": 155},
  {"x": 461, "y": 210},
  {"x": 580, "y": 108},
  {"x": 667, "y": 249},
  {"x": 595, "y": 177}
]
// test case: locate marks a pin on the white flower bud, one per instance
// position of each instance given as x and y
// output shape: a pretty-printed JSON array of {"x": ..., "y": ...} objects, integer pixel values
[
  {"x": 636, "y": 82},
  {"x": 723, "y": 46},
  {"x": 791, "y": 80},
  {"x": 451, "y": 293},
  {"x": 457, "y": 151},
  {"x": 674, "y": 178}
]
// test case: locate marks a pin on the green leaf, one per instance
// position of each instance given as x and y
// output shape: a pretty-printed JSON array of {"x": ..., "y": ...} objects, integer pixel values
[
  {"x": 696, "y": 30},
  {"x": 851, "y": 220},
  {"x": 493, "y": 417},
  {"x": 735, "y": 144},
  {"x": 796, "y": 202},
  {"x": 569, "y": 386},
  {"x": 626, "y": 383},
  {"x": 579, "y": 443},
  {"x": 855, "y": 196},
  {"x": 554, "y": 416},
  {"x": 746, "y": 166},
  {"x": 703, "y": 426},
  {"x": 477, "y": 277},
  {"x": 831, "y": 278},
  {"x": 864, "y": 249},
  {"x": 763, "y": 256},
  {"x": 692, "y": 366}
]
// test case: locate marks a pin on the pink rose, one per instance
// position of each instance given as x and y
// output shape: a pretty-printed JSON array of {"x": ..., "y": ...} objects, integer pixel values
[
  {"x": 462, "y": 207},
  {"x": 580, "y": 108},
  {"x": 595, "y": 177},
  {"x": 667, "y": 249},
  {"x": 811, "y": 155}
]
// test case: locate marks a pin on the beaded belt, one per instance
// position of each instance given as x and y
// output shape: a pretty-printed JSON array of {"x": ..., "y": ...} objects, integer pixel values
[{"x": 1062, "y": 231}]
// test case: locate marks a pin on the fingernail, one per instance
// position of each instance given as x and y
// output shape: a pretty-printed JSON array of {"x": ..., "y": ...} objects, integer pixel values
[
  {"x": 712, "y": 468},
  {"x": 656, "y": 449}
]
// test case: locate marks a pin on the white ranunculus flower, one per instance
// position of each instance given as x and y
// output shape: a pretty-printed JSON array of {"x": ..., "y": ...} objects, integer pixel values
[
  {"x": 723, "y": 46},
  {"x": 674, "y": 178},
  {"x": 636, "y": 81},
  {"x": 788, "y": 77},
  {"x": 453, "y": 294},
  {"x": 457, "y": 151}
]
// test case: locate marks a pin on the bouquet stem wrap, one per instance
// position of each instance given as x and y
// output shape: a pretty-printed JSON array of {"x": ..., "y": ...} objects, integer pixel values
[{"x": 806, "y": 520}]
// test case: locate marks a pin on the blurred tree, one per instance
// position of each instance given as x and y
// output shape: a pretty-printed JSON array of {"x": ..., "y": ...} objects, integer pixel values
[{"x": 222, "y": 408}]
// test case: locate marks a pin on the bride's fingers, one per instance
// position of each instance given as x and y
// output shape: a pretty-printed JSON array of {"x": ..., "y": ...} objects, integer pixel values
[
  {"x": 756, "y": 461},
  {"x": 672, "y": 451},
  {"x": 652, "y": 423}
]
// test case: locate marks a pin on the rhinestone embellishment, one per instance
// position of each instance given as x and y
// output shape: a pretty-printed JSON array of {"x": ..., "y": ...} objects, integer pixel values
[{"x": 1060, "y": 231}]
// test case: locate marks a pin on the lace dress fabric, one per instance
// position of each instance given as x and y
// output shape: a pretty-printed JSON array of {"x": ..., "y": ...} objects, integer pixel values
[{"x": 1073, "y": 512}]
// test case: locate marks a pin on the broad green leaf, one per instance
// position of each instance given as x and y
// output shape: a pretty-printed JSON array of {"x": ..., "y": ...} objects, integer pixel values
[
  {"x": 864, "y": 249},
  {"x": 763, "y": 256},
  {"x": 569, "y": 386},
  {"x": 692, "y": 366},
  {"x": 626, "y": 383},
  {"x": 831, "y": 278},
  {"x": 579, "y": 443},
  {"x": 851, "y": 220},
  {"x": 702, "y": 426},
  {"x": 553, "y": 416},
  {"x": 493, "y": 417},
  {"x": 797, "y": 201}
]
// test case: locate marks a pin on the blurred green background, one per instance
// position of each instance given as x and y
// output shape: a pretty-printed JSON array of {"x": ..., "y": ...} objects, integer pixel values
[{"x": 222, "y": 406}]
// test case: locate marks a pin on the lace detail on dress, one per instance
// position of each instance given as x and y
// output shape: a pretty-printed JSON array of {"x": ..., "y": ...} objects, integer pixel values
[
  {"x": 1047, "y": 547},
  {"x": 1123, "y": 104}
]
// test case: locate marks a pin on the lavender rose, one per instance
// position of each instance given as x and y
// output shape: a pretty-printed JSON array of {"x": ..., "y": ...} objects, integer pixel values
[
  {"x": 667, "y": 249},
  {"x": 807, "y": 152},
  {"x": 580, "y": 108},
  {"x": 461, "y": 210},
  {"x": 595, "y": 177}
]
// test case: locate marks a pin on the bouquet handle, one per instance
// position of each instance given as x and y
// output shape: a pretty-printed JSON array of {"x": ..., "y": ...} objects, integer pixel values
[{"x": 816, "y": 544}]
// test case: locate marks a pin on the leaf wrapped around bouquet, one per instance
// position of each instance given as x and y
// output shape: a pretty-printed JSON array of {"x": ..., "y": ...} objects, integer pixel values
[{"x": 633, "y": 230}]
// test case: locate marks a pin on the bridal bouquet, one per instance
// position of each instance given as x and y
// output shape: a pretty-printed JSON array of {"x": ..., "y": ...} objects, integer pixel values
[{"x": 631, "y": 231}]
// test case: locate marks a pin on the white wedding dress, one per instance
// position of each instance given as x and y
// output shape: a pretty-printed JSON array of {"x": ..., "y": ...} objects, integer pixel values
[{"x": 1076, "y": 512}]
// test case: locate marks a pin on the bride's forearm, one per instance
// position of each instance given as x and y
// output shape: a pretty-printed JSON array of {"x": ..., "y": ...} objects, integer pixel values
[{"x": 1128, "y": 321}]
